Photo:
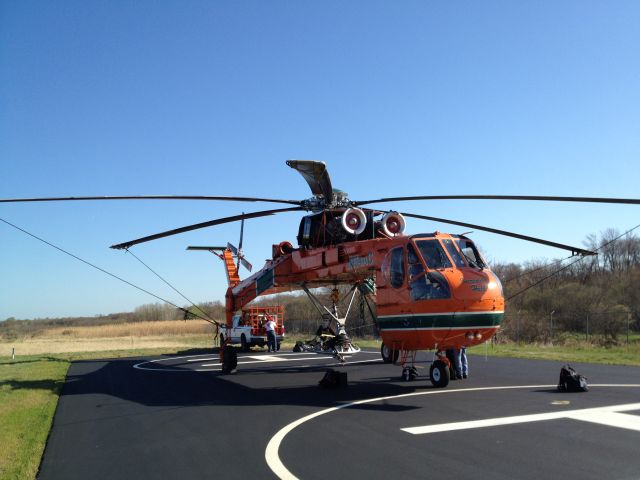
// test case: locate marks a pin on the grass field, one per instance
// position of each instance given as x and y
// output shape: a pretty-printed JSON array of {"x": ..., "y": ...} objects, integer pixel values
[
  {"x": 568, "y": 353},
  {"x": 30, "y": 385},
  {"x": 127, "y": 336}
]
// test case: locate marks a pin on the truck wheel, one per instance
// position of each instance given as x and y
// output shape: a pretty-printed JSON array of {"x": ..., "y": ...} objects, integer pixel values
[
  {"x": 243, "y": 343},
  {"x": 439, "y": 374},
  {"x": 230, "y": 360},
  {"x": 388, "y": 355}
]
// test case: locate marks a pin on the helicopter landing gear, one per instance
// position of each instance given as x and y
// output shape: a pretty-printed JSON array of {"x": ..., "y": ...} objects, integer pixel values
[
  {"x": 229, "y": 360},
  {"x": 409, "y": 374},
  {"x": 407, "y": 360},
  {"x": 439, "y": 371},
  {"x": 389, "y": 354}
]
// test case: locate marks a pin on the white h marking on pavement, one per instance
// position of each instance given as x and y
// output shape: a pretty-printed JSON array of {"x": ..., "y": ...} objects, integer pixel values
[{"x": 609, "y": 416}]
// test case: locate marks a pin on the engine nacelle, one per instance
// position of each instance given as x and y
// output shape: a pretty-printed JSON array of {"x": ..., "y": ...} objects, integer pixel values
[
  {"x": 354, "y": 221},
  {"x": 393, "y": 224}
]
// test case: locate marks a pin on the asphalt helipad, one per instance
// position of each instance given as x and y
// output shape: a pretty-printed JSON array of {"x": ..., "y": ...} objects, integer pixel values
[{"x": 178, "y": 417}]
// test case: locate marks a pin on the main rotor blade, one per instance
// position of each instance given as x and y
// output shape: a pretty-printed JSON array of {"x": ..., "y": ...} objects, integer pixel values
[
  {"x": 573, "y": 250},
  {"x": 151, "y": 197},
  {"x": 632, "y": 201},
  {"x": 196, "y": 226},
  {"x": 208, "y": 249},
  {"x": 316, "y": 175}
]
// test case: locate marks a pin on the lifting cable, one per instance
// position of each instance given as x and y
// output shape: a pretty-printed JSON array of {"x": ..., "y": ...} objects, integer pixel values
[
  {"x": 165, "y": 281},
  {"x": 373, "y": 316},
  {"x": 572, "y": 263},
  {"x": 106, "y": 272}
]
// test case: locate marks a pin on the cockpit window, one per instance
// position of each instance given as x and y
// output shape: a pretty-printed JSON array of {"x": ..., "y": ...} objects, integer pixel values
[
  {"x": 417, "y": 278},
  {"x": 393, "y": 267},
  {"x": 429, "y": 286},
  {"x": 470, "y": 253},
  {"x": 454, "y": 253},
  {"x": 433, "y": 254}
]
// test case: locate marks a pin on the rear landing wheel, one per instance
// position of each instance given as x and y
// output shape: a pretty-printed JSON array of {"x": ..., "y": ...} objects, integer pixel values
[
  {"x": 230, "y": 360},
  {"x": 388, "y": 355},
  {"x": 439, "y": 374}
]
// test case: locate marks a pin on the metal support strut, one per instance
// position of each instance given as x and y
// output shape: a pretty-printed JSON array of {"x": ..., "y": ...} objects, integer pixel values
[{"x": 342, "y": 345}]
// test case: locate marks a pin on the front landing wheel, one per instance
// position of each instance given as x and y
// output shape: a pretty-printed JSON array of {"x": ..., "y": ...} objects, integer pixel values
[{"x": 439, "y": 374}]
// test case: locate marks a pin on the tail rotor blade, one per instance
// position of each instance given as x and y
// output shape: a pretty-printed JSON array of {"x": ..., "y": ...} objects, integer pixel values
[
  {"x": 246, "y": 264},
  {"x": 241, "y": 233},
  {"x": 240, "y": 244}
]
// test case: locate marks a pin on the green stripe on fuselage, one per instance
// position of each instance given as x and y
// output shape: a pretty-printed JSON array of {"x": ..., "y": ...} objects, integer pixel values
[{"x": 447, "y": 320}]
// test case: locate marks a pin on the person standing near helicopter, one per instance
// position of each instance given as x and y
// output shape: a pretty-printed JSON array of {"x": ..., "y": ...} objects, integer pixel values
[
  {"x": 463, "y": 362},
  {"x": 270, "y": 327}
]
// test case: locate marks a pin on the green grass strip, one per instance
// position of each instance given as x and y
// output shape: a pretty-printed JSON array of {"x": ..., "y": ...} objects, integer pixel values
[{"x": 29, "y": 391}]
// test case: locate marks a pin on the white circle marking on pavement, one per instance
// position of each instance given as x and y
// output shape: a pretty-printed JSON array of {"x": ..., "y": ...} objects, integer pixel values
[{"x": 272, "y": 456}]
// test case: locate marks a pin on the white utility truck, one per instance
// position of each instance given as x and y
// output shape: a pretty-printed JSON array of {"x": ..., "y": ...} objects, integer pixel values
[{"x": 248, "y": 327}]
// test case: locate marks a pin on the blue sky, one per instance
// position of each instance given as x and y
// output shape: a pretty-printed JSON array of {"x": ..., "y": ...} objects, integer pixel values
[{"x": 211, "y": 98}]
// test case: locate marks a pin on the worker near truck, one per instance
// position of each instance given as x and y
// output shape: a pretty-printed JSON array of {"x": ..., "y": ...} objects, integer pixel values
[{"x": 270, "y": 327}]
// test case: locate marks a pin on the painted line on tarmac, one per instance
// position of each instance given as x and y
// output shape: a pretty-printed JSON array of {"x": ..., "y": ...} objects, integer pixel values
[
  {"x": 267, "y": 358},
  {"x": 270, "y": 355},
  {"x": 609, "y": 416},
  {"x": 271, "y": 453},
  {"x": 281, "y": 367},
  {"x": 259, "y": 359}
]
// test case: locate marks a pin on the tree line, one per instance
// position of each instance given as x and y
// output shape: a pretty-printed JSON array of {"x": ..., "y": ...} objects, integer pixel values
[{"x": 594, "y": 296}]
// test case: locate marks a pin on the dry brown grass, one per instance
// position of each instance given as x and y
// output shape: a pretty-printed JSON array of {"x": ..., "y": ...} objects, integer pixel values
[
  {"x": 137, "y": 329},
  {"x": 139, "y": 335}
]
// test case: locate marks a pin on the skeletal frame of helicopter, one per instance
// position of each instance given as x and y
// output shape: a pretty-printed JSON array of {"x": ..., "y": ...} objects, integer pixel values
[{"x": 433, "y": 291}]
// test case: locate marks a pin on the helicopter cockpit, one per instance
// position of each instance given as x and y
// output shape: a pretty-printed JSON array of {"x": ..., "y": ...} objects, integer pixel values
[{"x": 427, "y": 261}]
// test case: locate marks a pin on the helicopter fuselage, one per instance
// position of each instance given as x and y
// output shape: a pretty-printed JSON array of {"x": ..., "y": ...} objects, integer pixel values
[{"x": 432, "y": 290}]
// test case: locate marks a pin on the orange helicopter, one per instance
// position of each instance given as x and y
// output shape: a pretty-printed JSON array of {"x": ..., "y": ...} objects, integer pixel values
[{"x": 433, "y": 291}]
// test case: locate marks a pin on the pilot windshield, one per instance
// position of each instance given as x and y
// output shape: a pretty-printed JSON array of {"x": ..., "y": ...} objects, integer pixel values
[
  {"x": 454, "y": 253},
  {"x": 429, "y": 286},
  {"x": 433, "y": 254},
  {"x": 470, "y": 253}
]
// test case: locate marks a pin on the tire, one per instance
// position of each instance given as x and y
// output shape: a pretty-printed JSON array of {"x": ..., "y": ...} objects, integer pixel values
[
  {"x": 297, "y": 348},
  {"x": 439, "y": 374},
  {"x": 409, "y": 374},
  {"x": 229, "y": 361},
  {"x": 388, "y": 355},
  {"x": 244, "y": 346}
]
